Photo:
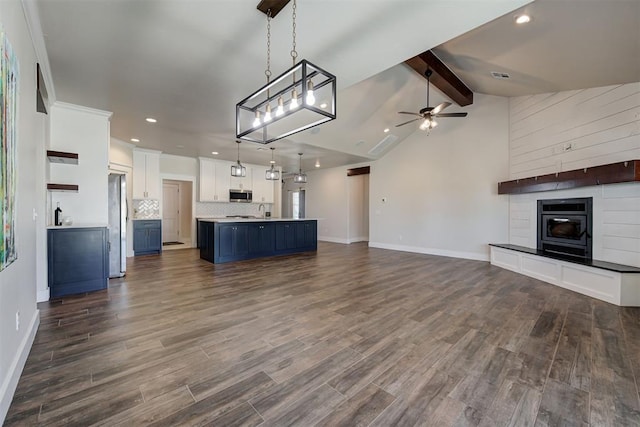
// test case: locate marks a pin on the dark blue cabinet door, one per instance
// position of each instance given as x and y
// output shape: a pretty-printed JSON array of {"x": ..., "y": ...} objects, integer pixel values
[
  {"x": 140, "y": 240},
  {"x": 241, "y": 240},
  {"x": 78, "y": 260},
  {"x": 147, "y": 237},
  {"x": 225, "y": 241},
  {"x": 155, "y": 239},
  {"x": 261, "y": 239},
  {"x": 285, "y": 236}
]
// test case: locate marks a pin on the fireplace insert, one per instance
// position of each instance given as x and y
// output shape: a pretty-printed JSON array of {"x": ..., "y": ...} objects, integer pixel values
[{"x": 565, "y": 227}]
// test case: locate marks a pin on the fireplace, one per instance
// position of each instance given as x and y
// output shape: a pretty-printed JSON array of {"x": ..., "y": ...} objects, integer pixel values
[{"x": 565, "y": 227}]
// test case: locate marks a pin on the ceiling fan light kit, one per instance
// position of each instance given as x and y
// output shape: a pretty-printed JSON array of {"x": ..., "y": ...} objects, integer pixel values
[
  {"x": 428, "y": 114},
  {"x": 293, "y": 95}
]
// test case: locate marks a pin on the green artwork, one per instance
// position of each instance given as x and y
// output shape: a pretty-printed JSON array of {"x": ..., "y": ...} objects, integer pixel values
[{"x": 9, "y": 74}]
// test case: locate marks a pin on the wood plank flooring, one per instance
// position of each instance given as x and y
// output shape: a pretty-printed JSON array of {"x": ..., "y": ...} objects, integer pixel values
[{"x": 347, "y": 336}]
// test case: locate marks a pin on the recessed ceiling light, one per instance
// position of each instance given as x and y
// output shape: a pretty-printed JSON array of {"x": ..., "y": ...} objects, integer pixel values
[
  {"x": 523, "y": 19},
  {"x": 180, "y": 146},
  {"x": 135, "y": 140},
  {"x": 260, "y": 148},
  {"x": 386, "y": 130},
  {"x": 151, "y": 120},
  {"x": 323, "y": 105},
  {"x": 215, "y": 153}
]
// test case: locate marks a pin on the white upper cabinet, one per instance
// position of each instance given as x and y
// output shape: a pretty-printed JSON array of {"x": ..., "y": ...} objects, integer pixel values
[
  {"x": 146, "y": 174},
  {"x": 213, "y": 180},
  {"x": 262, "y": 188}
]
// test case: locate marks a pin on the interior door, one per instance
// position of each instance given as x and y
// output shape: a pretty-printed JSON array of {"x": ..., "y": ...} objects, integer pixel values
[{"x": 170, "y": 212}]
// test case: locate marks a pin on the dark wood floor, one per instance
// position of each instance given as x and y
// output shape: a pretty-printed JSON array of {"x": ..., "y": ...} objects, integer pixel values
[{"x": 350, "y": 336}]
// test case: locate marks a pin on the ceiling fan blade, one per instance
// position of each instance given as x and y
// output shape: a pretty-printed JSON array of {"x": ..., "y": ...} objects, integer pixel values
[
  {"x": 451, "y": 115},
  {"x": 412, "y": 120},
  {"x": 440, "y": 108},
  {"x": 406, "y": 112}
]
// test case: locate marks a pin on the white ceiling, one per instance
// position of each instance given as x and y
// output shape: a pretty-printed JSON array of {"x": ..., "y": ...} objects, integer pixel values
[{"x": 188, "y": 62}]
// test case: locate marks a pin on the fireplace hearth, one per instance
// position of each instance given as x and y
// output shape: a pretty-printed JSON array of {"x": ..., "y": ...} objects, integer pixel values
[{"x": 565, "y": 227}]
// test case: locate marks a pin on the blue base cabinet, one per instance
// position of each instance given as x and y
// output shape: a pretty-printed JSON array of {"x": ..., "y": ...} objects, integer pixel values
[
  {"x": 147, "y": 237},
  {"x": 78, "y": 260},
  {"x": 234, "y": 241}
]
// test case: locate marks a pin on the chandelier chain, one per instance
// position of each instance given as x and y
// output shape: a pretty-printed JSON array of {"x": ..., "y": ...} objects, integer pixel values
[
  {"x": 294, "y": 53},
  {"x": 267, "y": 72}
]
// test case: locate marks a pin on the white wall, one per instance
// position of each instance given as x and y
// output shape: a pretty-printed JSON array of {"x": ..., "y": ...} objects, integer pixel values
[
  {"x": 120, "y": 153},
  {"x": 18, "y": 280},
  {"x": 340, "y": 203},
  {"x": 602, "y": 125},
  {"x": 441, "y": 189},
  {"x": 358, "y": 208},
  {"x": 178, "y": 165},
  {"x": 84, "y": 131}
]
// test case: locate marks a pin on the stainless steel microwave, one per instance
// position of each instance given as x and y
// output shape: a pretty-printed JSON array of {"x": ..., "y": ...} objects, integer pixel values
[{"x": 241, "y": 196}]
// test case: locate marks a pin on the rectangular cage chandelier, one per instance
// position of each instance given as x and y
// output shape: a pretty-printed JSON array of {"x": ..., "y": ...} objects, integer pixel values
[{"x": 302, "y": 97}]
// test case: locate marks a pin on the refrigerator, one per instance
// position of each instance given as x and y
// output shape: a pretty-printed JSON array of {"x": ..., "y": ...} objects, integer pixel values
[{"x": 118, "y": 217}]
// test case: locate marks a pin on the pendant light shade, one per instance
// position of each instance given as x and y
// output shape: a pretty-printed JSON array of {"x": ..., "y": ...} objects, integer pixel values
[
  {"x": 300, "y": 177},
  {"x": 272, "y": 174},
  {"x": 238, "y": 170}
]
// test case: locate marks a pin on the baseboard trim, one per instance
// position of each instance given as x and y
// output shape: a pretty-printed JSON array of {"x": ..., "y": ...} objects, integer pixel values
[
  {"x": 333, "y": 240},
  {"x": 43, "y": 296},
  {"x": 431, "y": 251},
  {"x": 15, "y": 370}
]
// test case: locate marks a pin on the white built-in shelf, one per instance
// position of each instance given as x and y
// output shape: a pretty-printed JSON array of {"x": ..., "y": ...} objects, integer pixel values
[{"x": 62, "y": 157}]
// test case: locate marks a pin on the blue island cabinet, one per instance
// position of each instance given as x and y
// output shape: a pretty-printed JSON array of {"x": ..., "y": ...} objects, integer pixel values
[
  {"x": 78, "y": 260},
  {"x": 234, "y": 241},
  {"x": 147, "y": 237}
]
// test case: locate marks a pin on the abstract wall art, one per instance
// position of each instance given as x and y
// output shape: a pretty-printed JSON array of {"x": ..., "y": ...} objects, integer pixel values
[{"x": 9, "y": 74}]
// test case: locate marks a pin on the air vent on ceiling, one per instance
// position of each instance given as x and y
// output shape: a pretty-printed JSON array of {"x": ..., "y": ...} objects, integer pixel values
[
  {"x": 382, "y": 145},
  {"x": 500, "y": 76}
]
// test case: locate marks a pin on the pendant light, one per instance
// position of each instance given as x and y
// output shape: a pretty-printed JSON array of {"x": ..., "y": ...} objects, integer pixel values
[
  {"x": 272, "y": 174},
  {"x": 300, "y": 177},
  {"x": 264, "y": 116},
  {"x": 238, "y": 170}
]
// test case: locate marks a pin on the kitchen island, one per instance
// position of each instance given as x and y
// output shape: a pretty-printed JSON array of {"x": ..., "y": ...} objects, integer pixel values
[{"x": 234, "y": 239}]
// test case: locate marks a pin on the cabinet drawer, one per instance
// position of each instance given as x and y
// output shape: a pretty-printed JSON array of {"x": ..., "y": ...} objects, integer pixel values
[{"x": 151, "y": 223}]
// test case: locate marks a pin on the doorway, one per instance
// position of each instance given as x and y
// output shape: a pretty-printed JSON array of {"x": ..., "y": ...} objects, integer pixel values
[{"x": 176, "y": 214}]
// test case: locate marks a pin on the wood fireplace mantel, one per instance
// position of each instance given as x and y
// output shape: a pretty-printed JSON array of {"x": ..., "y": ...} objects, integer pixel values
[{"x": 612, "y": 173}]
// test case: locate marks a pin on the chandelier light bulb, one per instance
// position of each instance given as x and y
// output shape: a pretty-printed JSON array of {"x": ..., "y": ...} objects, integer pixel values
[
  {"x": 294, "y": 100},
  {"x": 425, "y": 124},
  {"x": 280, "y": 109},
  {"x": 310, "y": 98},
  {"x": 267, "y": 114},
  {"x": 256, "y": 121},
  {"x": 433, "y": 124}
]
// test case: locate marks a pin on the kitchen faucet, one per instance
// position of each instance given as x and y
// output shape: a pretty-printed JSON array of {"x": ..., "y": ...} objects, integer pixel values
[{"x": 261, "y": 206}]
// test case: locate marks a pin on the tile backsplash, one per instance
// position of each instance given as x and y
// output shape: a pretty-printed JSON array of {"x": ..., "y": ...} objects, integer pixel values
[
  {"x": 146, "y": 209},
  {"x": 224, "y": 209}
]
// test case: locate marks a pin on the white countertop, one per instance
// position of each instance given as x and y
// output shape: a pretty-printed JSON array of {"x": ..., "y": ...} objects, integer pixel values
[
  {"x": 80, "y": 225},
  {"x": 225, "y": 219},
  {"x": 146, "y": 219}
]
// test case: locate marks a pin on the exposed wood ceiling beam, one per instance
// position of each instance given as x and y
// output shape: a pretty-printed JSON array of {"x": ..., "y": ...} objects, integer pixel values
[
  {"x": 275, "y": 6},
  {"x": 442, "y": 78}
]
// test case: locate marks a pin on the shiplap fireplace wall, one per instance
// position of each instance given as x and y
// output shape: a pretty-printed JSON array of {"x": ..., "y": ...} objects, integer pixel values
[{"x": 562, "y": 131}]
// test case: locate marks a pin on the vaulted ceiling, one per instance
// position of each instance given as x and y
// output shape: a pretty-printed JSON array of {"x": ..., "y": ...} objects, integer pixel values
[{"x": 188, "y": 62}]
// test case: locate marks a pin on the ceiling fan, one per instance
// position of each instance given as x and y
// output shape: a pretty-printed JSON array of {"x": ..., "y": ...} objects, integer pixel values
[{"x": 428, "y": 114}]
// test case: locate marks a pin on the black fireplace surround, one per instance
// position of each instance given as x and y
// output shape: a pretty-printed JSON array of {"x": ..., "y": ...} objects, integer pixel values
[{"x": 565, "y": 227}]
